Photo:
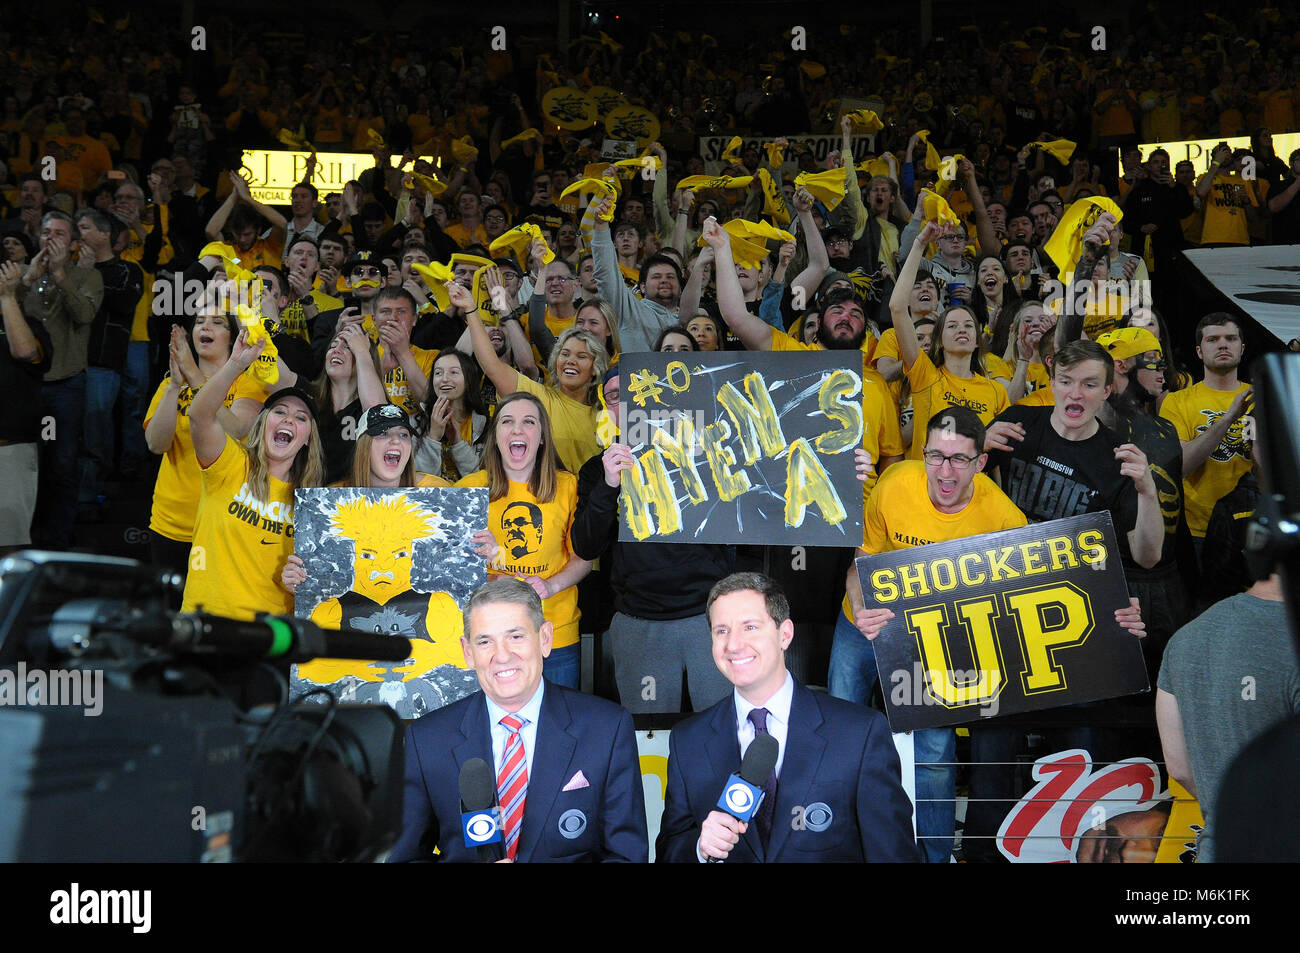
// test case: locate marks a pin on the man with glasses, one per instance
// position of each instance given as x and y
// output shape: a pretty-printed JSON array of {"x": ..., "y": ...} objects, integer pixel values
[
  {"x": 365, "y": 278},
  {"x": 944, "y": 496},
  {"x": 949, "y": 265}
]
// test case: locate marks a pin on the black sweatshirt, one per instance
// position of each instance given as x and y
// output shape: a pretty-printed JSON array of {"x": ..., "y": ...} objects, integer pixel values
[{"x": 650, "y": 580}]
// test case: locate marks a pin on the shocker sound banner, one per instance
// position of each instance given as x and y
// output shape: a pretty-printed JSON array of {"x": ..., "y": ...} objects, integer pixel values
[
  {"x": 754, "y": 450},
  {"x": 392, "y": 562},
  {"x": 1021, "y": 620}
]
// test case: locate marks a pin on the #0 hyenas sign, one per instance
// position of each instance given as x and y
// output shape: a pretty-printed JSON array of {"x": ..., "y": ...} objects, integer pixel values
[
  {"x": 1021, "y": 620},
  {"x": 742, "y": 448}
]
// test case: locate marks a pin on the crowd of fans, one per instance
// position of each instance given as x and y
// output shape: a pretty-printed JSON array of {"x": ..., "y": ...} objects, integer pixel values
[{"x": 391, "y": 340}]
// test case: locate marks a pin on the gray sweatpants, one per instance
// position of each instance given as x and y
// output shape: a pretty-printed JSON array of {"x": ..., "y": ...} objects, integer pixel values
[{"x": 650, "y": 655}]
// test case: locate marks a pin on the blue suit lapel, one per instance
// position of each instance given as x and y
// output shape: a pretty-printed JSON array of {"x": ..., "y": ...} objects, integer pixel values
[
  {"x": 551, "y": 766},
  {"x": 476, "y": 737},
  {"x": 724, "y": 760},
  {"x": 804, "y": 748}
]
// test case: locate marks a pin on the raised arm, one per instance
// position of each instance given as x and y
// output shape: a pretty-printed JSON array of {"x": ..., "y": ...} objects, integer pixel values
[
  {"x": 984, "y": 231},
  {"x": 909, "y": 348},
  {"x": 503, "y": 377},
  {"x": 696, "y": 281},
  {"x": 754, "y": 332},
  {"x": 819, "y": 261},
  {"x": 208, "y": 435}
]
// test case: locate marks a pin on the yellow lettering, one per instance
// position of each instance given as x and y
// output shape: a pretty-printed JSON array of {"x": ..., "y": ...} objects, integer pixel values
[
  {"x": 1030, "y": 553},
  {"x": 848, "y": 413},
  {"x": 675, "y": 367},
  {"x": 647, "y": 485},
  {"x": 950, "y": 570},
  {"x": 680, "y": 449},
  {"x": 883, "y": 586},
  {"x": 928, "y": 626},
  {"x": 966, "y": 578},
  {"x": 756, "y": 420},
  {"x": 1090, "y": 544},
  {"x": 730, "y": 485},
  {"x": 913, "y": 576},
  {"x": 1061, "y": 549},
  {"x": 1070, "y": 623},
  {"x": 806, "y": 482},
  {"x": 998, "y": 568}
]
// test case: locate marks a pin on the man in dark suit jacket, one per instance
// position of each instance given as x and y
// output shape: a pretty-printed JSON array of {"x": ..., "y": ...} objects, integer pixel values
[
  {"x": 836, "y": 794},
  {"x": 582, "y": 799}
]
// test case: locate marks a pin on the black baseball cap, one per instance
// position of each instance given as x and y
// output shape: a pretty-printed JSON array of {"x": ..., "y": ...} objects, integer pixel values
[
  {"x": 381, "y": 418},
  {"x": 365, "y": 258},
  {"x": 285, "y": 392}
]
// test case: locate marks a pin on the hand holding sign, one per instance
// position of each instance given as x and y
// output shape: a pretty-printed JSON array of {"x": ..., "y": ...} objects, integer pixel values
[{"x": 616, "y": 459}]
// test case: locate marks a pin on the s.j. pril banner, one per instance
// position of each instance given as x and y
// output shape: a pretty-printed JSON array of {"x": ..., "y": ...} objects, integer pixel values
[
  {"x": 1021, "y": 620},
  {"x": 753, "y": 448}
]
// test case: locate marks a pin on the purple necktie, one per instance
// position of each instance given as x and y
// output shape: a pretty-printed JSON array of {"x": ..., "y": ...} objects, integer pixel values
[{"x": 766, "y": 810}]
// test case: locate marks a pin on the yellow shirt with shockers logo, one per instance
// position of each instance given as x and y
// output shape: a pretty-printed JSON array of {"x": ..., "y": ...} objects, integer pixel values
[
  {"x": 934, "y": 388},
  {"x": 176, "y": 492},
  {"x": 1193, "y": 410},
  {"x": 900, "y": 514},
  {"x": 241, "y": 543},
  {"x": 534, "y": 541},
  {"x": 398, "y": 388}
]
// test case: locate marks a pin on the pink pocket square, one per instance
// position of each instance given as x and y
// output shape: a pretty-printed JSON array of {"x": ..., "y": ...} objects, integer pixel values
[{"x": 577, "y": 783}]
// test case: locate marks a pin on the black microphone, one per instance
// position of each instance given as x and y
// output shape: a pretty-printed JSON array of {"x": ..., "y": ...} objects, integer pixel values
[
  {"x": 268, "y": 636},
  {"x": 478, "y": 820},
  {"x": 744, "y": 792}
]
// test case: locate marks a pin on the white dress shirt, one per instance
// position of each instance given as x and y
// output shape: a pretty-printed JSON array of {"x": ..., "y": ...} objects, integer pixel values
[{"x": 778, "y": 719}]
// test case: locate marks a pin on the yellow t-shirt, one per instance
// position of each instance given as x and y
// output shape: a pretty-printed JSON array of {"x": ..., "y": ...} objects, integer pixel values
[
  {"x": 265, "y": 251},
  {"x": 240, "y": 543},
  {"x": 1002, "y": 369},
  {"x": 1038, "y": 397},
  {"x": 573, "y": 425},
  {"x": 934, "y": 388},
  {"x": 1192, "y": 411},
  {"x": 538, "y": 543},
  {"x": 900, "y": 514},
  {"x": 463, "y": 237},
  {"x": 176, "y": 492},
  {"x": 1225, "y": 210},
  {"x": 398, "y": 388}
]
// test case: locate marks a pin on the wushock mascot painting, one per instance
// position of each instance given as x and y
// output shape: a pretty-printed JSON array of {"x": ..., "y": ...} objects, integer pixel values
[{"x": 394, "y": 562}]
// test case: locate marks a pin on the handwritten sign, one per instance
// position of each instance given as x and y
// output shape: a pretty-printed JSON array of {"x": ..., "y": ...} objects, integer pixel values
[{"x": 743, "y": 449}]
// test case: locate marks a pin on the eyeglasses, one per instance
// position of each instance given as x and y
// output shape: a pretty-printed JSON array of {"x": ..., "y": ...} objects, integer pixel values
[
  {"x": 557, "y": 280},
  {"x": 959, "y": 461},
  {"x": 366, "y": 272}
]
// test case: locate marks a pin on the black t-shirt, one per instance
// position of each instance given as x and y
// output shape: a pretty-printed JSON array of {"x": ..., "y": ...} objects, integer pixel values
[
  {"x": 1158, "y": 439},
  {"x": 338, "y": 448},
  {"x": 20, "y": 388},
  {"x": 1051, "y": 478}
]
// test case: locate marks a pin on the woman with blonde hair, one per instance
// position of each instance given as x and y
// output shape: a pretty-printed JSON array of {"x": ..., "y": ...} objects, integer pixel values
[
  {"x": 243, "y": 532},
  {"x": 531, "y": 505},
  {"x": 577, "y": 363}
]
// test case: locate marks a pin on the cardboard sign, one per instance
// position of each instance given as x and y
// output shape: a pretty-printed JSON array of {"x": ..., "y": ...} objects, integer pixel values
[
  {"x": 273, "y": 173},
  {"x": 742, "y": 448},
  {"x": 1021, "y": 620},
  {"x": 390, "y": 561},
  {"x": 1200, "y": 151}
]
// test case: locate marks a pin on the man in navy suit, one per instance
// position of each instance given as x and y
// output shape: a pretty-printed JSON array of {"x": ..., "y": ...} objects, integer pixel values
[
  {"x": 835, "y": 794},
  {"x": 568, "y": 777}
]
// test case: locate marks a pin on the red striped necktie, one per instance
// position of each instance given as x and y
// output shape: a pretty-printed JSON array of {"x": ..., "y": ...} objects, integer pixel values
[{"x": 512, "y": 783}]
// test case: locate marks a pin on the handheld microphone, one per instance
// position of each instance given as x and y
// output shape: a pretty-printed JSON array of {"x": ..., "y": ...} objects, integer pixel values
[
  {"x": 478, "y": 820},
  {"x": 743, "y": 792}
]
